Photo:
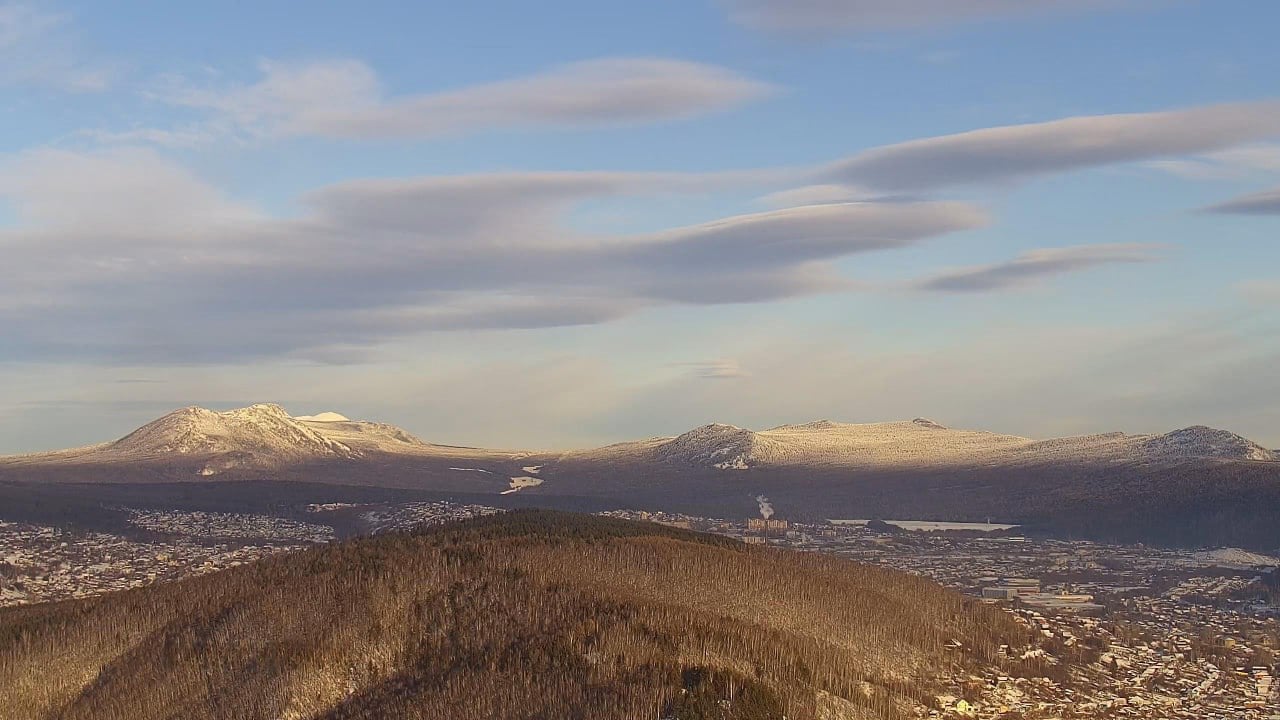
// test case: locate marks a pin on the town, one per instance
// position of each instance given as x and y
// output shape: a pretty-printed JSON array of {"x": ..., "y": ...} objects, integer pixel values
[
  {"x": 1119, "y": 631},
  {"x": 41, "y": 564},
  {"x": 1152, "y": 632}
]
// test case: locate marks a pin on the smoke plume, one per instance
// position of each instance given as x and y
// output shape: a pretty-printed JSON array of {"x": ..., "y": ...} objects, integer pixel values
[{"x": 766, "y": 507}]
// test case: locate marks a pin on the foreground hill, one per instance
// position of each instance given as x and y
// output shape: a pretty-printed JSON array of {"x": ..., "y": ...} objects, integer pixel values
[
  {"x": 524, "y": 615},
  {"x": 1193, "y": 486}
]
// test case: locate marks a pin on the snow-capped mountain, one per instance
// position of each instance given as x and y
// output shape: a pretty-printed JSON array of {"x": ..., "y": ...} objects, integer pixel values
[
  {"x": 201, "y": 442},
  {"x": 263, "y": 430},
  {"x": 267, "y": 436},
  {"x": 1195, "y": 485},
  {"x": 258, "y": 436},
  {"x": 923, "y": 443},
  {"x": 828, "y": 443}
]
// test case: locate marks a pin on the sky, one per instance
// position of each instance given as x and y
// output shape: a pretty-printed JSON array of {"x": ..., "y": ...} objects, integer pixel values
[{"x": 562, "y": 224}]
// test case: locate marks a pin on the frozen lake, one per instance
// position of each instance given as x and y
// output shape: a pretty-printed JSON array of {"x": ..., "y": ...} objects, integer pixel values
[{"x": 931, "y": 525}]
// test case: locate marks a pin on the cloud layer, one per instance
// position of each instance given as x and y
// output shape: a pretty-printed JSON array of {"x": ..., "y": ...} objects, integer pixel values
[
  {"x": 123, "y": 255},
  {"x": 130, "y": 284}
]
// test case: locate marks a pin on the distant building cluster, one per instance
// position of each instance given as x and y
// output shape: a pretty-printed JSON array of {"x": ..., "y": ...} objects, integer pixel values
[
  {"x": 1026, "y": 591},
  {"x": 767, "y": 526},
  {"x": 40, "y": 563},
  {"x": 1011, "y": 589},
  {"x": 407, "y": 516},
  {"x": 230, "y": 525}
]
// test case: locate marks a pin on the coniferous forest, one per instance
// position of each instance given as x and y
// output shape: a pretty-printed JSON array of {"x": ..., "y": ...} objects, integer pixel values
[{"x": 529, "y": 614}]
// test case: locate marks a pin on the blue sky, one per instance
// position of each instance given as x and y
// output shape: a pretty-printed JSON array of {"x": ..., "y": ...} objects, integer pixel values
[{"x": 567, "y": 223}]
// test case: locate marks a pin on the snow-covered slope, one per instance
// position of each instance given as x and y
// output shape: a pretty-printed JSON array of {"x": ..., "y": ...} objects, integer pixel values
[
  {"x": 726, "y": 447},
  {"x": 828, "y": 443},
  {"x": 264, "y": 431},
  {"x": 201, "y": 442},
  {"x": 364, "y": 436},
  {"x": 323, "y": 417},
  {"x": 1236, "y": 557},
  {"x": 258, "y": 437},
  {"x": 910, "y": 443},
  {"x": 204, "y": 442},
  {"x": 1201, "y": 441},
  {"x": 923, "y": 443}
]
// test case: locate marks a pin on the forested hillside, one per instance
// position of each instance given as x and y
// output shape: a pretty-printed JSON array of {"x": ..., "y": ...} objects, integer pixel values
[{"x": 529, "y": 614}]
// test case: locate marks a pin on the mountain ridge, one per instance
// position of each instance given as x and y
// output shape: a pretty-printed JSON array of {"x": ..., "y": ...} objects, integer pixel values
[
  {"x": 268, "y": 427},
  {"x": 728, "y": 447},
  {"x": 1188, "y": 486}
]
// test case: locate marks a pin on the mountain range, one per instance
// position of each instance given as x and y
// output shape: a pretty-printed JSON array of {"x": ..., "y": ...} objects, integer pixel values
[{"x": 1192, "y": 485}]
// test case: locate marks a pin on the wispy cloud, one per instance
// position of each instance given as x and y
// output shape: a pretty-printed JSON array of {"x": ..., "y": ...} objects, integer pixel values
[
  {"x": 722, "y": 369},
  {"x": 1266, "y": 202},
  {"x": 1035, "y": 265},
  {"x": 39, "y": 48},
  {"x": 189, "y": 136},
  {"x": 1014, "y": 152},
  {"x": 1229, "y": 164},
  {"x": 346, "y": 99},
  {"x": 814, "y": 195},
  {"x": 861, "y": 16}
]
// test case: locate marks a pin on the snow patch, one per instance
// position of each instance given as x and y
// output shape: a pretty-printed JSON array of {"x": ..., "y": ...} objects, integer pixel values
[
  {"x": 522, "y": 482},
  {"x": 323, "y": 417},
  {"x": 1236, "y": 557}
]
